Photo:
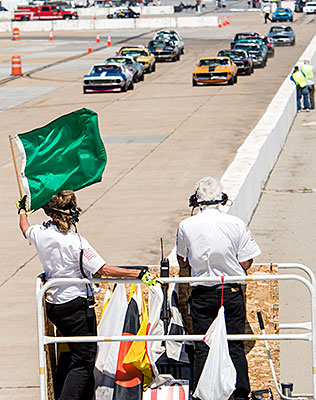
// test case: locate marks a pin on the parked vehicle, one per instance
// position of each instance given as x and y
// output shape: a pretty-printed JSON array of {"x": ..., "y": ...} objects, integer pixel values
[
  {"x": 44, "y": 12},
  {"x": 164, "y": 50},
  {"x": 309, "y": 8},
  {"x": 241, "y": 58},
  {"x": 282, "y": 35},
  {"x": 124, "y": 13},
  {"x": 214, "y": 70},
  {"x": 282, "y": 14}
]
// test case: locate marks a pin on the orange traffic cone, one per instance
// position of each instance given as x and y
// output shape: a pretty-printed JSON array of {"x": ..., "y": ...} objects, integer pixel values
[
  {"x": 94, "y": 17},
  {"x": 51, "y": 36},
  {"x": 98, "y": 38},
  {"x": 16, "y": 65},
  {"x": 226, "y": 22},
  {"x": 90, "y": 48},
  {"x": 109, "y": 41},
  {"x": 16, "y": 34},
  {"x": 219, "y": 23}
]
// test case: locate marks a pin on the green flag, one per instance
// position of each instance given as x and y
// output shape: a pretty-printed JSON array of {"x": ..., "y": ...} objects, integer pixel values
[{"x": 66, "y": 154}]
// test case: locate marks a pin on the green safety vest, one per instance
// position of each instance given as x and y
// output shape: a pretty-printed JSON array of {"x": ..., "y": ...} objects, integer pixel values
[
  {"x": 308, "y": 71},
  {"x": 299, "y": 79}
]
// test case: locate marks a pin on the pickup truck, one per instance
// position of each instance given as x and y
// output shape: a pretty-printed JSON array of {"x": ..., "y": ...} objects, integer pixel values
[{"x": 45, "y": 12}]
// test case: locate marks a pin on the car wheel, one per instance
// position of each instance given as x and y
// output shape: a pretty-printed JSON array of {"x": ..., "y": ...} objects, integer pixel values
[
  {"x": 25, "y": 18},
  {"x": 231, "y": 81},
  {"x": 178, "y": 58},
  {"x": 248, "y": 72},
  {"x": 135, "y": 78},
  {"x": 67, "y": 17},
  {"x": 182, "y": 51},
  {"x": 131, "y": 85},
  {"x": 293, "y": 43},
  {"x": 194, "y": 82},
  {"x": 125, "y": 87},
  {"x": 235, "y": 80},
  {"x": 153, "y": 67},
  {"x": 141, "y": 78},
  {"x": 84, "y": 90}
]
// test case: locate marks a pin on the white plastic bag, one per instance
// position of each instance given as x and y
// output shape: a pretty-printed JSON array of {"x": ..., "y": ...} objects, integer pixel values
[{"x": 218, "y": 378}]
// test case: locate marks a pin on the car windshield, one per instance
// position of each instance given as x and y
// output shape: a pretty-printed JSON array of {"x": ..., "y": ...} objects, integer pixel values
[
  {"x": 134, "y": 53},
  {"x": 241, "y": 36},
  {"x": 278, "y": 29},
  {"x": 232, "y": 53},
  {"x": 213, "y": 62},
  {"x": 281, "y": 10},
  {"x": 248, "y": 47},
  {"x": 159, "y": 43},
  {"x": 119, "y": 60},
  {"x": 98, "y": 69}
]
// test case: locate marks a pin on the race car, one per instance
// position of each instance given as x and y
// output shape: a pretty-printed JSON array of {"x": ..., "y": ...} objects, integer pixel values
[
  {"x": 171, "y": 35},
  {"x": 141, "y": 54},
  {"x": 282, "y": 35},
  {"x": 241, "y": 58},
  {"x": 164, "y": 49},
  {"x": 282, "y": 14},
  {"x": 136, "y": 68},
  {"x": 241, "y": 36},
  {"x": 108, "y": 78},
  {"x": 214, "y": 70}
]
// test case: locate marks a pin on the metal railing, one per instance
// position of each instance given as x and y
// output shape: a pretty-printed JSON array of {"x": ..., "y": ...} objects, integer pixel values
[{"x": 311, "y": 336}]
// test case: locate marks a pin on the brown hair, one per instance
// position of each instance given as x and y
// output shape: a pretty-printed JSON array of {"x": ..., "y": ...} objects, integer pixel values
[{"x": 60, "y": 201}]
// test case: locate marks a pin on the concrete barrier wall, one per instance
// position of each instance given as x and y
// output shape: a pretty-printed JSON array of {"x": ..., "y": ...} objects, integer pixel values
[
  {"x": 109, "y": 24},
  {"x": 247, "y": 174},
  {"x": 103, "y": 11}
]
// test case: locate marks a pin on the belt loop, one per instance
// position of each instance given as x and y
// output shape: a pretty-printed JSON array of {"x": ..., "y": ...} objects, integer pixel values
[{"x": 222, "y": 297}]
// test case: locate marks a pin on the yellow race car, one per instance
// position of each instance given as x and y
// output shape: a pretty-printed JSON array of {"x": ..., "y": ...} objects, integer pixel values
[
  {"x": 214, "y": 70},
  {"x": 141, "y": 55}
]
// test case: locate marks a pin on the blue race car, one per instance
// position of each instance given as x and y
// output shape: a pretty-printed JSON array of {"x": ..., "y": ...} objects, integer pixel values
[
  {"x": 282, "y": 14},
  {"x": 108, "y": 78},
  {"x": 282, "y": 35}
]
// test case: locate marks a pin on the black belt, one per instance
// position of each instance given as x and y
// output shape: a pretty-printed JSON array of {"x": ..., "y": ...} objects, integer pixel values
[{"x": 203, "y": 289}]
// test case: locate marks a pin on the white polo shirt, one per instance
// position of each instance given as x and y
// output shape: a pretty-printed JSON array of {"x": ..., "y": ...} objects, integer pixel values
[
  {"x": 215, "y": 243},
  {"x": 59, "y": 254}
]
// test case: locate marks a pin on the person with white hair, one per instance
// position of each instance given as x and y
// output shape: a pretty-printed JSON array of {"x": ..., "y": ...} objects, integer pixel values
[
  {"x": 213, "y": 244},
  {"x": 308, "y": 70}
]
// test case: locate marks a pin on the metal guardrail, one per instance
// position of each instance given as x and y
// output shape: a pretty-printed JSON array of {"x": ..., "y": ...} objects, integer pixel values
[{"x": 43, "y": 340}]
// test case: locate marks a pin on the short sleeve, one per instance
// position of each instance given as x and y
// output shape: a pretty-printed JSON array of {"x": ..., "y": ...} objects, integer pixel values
[
  {"x": 31, "y": 233},
  {"x": 248, "y": 247},
  {"x": 181, "y": 243},
  {"x": 91, "y": 259}
]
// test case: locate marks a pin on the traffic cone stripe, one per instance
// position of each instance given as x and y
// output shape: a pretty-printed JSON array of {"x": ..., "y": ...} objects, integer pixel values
[
  {"x": 16, "y": 34},
  {"x": 98, "y": 38},
  {"x": 16, "y": 65},
  {"x": 109, "y": 41},
  {"x": 51, "y": 36},
  {"x": 219, "y": 23}
]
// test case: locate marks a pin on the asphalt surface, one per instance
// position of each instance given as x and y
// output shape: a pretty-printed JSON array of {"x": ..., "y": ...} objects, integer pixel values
[{"x": 160, "y": 138}]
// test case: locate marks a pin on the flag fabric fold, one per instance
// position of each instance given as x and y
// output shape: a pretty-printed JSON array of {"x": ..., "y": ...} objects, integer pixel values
[
  {"x": 128, "y": 379},
  {"x": 111, "y": 324},
  {"x": 66, "y": 154}
]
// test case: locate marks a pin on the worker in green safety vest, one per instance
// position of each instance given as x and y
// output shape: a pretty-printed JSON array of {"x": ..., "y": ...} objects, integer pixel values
[
  {"x": 308, "y": 70},
  {"x": 299, "y": 79}
]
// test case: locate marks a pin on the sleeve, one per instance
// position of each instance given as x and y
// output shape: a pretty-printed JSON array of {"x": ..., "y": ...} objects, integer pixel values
[
  {"x": 248, "y": 247},
  {"x": 92, "y": 261},
  {"x": 181, "y": 243},
  {"x": 31, "y": 233}
]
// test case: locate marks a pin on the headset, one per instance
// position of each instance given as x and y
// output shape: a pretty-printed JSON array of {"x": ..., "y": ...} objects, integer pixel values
[
  {"x": 194, "y": 202},
  {"x": 69, "y": 209}
]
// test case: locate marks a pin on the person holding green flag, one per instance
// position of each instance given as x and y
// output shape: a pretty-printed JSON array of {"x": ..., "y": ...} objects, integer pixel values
[{"x": 64, "y": 253}]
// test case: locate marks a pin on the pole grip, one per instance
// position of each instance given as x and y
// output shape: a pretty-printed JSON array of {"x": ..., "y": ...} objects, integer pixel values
[{"x": 260, "y": 320}]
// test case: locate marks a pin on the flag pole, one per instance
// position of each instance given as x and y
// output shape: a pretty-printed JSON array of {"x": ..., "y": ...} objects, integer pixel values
[{"x": 15, "y": 166}]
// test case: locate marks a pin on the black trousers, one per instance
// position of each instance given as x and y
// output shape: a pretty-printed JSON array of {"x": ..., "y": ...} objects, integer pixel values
[
  {"x": 205, "y": 303},
  {"x": 71, "y": 320}
]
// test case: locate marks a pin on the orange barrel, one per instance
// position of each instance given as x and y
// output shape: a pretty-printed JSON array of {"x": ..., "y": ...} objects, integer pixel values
[
  {"x": 16, "y": 34},
  {"x": 16, "y": 65}
]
